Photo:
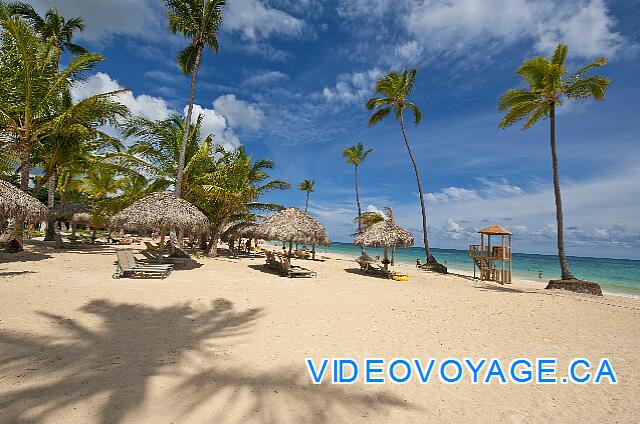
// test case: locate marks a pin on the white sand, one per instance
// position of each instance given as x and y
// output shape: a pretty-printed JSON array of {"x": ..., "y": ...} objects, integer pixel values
[{"x": 226, "y": 343}]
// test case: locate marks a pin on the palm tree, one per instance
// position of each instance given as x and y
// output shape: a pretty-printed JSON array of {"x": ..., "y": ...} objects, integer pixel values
[
  {"x": 307, "y": 186},
  {"x": 396, "y": 89},
  {"x": 231, "y": 189},
  {"x": 198, "y": 20},
  {"x": 548, "y": 84},
  {"x": 355, "y": 155},
  {"x": 52, "y": 26},
  {"x": 367, "y": 219}
]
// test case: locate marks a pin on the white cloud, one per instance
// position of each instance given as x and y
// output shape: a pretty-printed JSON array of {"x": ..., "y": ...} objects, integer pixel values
[
  {"x": 239, "y": 114},
  {"x": 463, "y": 24},
  {"x": 266, "y": 78},
  {"x": 141, "y": 105},
  {"x": 352, "y": 87},
  {"x": 215, "y": 124},
  {"x": 105, "y": 19},
  {"x": 254, "y": 20}
]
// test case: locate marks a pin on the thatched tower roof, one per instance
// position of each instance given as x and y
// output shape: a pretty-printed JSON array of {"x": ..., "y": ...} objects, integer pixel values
[
  {"x": 495, "y": 230},
  {"x": 162, "y": 211},
  {"x": 293, "y": 225},
  {"x": 15, "y": 203},
  {"x": 64, "y": 211},
  {"x": 385, "y": 234}
]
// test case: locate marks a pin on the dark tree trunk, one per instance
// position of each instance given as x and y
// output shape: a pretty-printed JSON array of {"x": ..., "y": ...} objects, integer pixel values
[
  {"x": 306, "y": 204},
  {"x": 564, "y": 265},
  {"x": 185, "y": 136},
  {"x": 430, "y": 258},
  {"x": 51, "y": 196},
  {"x": 359, "y": 208}
]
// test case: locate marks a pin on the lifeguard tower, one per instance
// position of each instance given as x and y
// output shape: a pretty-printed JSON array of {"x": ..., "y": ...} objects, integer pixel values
[{"x": 494, "y": 262}]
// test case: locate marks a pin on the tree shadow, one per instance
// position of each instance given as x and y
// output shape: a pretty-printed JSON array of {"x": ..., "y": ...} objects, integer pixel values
[
  {"x": 281, "y": 395},
  {"x": 25, "y": 256},
  {"x": 134, "y": 343},
  {"x": 264, "y": 268},
  {"x": 358, "y": 271},
  {"x": 14, "y": 273}
]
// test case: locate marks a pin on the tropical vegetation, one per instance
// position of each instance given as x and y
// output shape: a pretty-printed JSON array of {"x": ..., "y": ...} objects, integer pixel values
[
  {"x": 307, "y": 187},
  {"x": 355, "y": 155}
]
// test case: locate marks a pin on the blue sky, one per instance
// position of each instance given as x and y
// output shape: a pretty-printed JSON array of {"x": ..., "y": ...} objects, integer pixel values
[{"x": 291, "y": 80}]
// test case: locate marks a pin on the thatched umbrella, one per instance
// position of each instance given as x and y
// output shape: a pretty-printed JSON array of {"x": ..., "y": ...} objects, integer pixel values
[
  {"x": 385, "y": 234},
  {"x": 161, "y": 212},
  {"x": 294, "y": 226},
  {"x": 15, "y": 203},
  {"x": 249, "y": 230},
  {"x": 65, "y": 211}
]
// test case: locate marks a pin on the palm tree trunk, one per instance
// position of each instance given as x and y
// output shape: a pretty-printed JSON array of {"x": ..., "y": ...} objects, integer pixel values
[
  {"x": 359, "y": 209},
  {"x": 430, "y": 258},
  {"x": 306, "y": 205},
  {"x": 564, "y": 265},
  {"x": 25, "y": 167},
  {"x": 51, "y": 196},
  {"x": 185, "y": 136}
]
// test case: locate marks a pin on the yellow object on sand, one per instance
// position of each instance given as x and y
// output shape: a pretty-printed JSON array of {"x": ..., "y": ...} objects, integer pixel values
[{"x": 400, "y": 277}]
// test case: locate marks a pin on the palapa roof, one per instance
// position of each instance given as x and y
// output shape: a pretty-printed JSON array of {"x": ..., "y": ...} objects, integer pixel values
[
  {"x": 81, "y": 217},
  {"x": 66, "y": 210},
  {"x": 495, "y": 229},
  {"x": 293, "y": 225},
  {"x": 162, "y": 211},
  {"x": 242, "y": 230},
  {"x": 384, "y": 234},
  {"x": 15, "y": 203}
]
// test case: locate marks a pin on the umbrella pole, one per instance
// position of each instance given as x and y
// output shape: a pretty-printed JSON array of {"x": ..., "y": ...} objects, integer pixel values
[
  {"x": 313, "y": 251},
  {"x": 161, "y": 250},
  {"x": 386, "y": 259},
  {"x": 290, "y": 247}
]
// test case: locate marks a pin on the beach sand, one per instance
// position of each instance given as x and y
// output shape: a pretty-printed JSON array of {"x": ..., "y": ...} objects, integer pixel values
[{"x": 226, "y": 342}]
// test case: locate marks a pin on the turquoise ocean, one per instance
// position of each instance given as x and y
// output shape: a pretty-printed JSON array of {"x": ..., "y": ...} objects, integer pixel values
[{"x": 616, "y": 276}]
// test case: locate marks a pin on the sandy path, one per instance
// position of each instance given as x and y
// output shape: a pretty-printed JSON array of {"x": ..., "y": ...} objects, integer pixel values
[{"x": 226, "y": 342}]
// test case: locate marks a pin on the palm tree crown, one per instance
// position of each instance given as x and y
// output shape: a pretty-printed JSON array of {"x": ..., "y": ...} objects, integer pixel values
[
  {"x": 356, "y": 154},
  {"x": 53, "y": 26},
  {"x": 197, "y": 20},
  {"x": 548, "y": 84},
  {"x": 307, "y": 186},
  {"x": 396, "y": 89}
]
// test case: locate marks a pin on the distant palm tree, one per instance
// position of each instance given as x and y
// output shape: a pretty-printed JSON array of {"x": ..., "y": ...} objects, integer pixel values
[
  {"x": 198, "y": 20},
  {"x": 355, "y": 155},
  {"x": 548, "y": 84},
  {"x": 52, "y": 27},
  {"x": 396, "y": 89},
  {"x": 307, "y": 185}
]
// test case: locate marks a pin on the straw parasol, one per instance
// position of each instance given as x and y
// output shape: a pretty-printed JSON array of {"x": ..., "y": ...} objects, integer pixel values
[
  {"x": 385, "y": 234},
  {"x": 15, "y": 203},
  {"x": 294, "y": 226},
  {"x": 65, "y": 211},
  {"x": 241, "y": 230},
  {"x": 162, "y": 211}
]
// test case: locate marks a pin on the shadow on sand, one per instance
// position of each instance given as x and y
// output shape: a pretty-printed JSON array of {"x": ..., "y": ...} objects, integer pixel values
[{"x": 136, "y": 342}]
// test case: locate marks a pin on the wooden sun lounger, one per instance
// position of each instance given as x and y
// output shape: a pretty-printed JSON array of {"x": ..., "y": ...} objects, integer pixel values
[
  {"x": 128, "y": 266},
  {"x": 282, "y": 265}
]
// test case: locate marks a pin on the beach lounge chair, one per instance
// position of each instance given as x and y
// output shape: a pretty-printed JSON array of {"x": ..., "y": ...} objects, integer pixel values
[
  {"x": 127, "y": 265},
  {"x": 294, "y": 270}
]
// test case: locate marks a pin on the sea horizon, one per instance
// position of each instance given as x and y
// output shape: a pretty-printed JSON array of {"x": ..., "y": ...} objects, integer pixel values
[{"x": 616, "y": 275}]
